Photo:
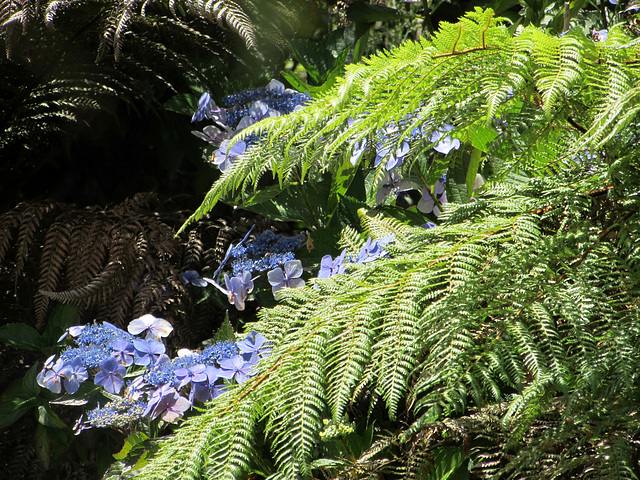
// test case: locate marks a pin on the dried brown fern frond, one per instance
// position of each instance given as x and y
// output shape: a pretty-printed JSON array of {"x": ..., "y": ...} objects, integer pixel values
[{"x": 115, "y": 263}]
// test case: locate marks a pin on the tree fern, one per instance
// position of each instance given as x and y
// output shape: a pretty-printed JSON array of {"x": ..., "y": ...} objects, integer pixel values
[{"x": 510, "y": 329}]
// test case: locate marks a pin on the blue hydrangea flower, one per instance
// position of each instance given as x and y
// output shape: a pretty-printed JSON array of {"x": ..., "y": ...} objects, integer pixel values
[
  {"x": 255, "y": 346},
  {"x": 384, "y": 149},
  {"x": 358, "y": 147},
  {"x": 225, "y": 156},
  {"x": 192, "y": 277},
  {"x": 289, "y": 278},
  {"x": 373, "y": 249},
  {"x": 167, "y": 402},
  {"x": 51, "y": 378},
  {"x": 154, "y": 328},
  {"x": 600, "y": 35},
  {"x": 427, "y": 203},
  {"x": 123, "y": 351},
  {"x": 214, "y": 135},
  {"x": 111, "y": 375},
  {"x": 147, "y": 352},
  {"x": 73, "y": 375},
  {"x": 446, "y": 144},
  {"x": 237, "y": 367},
  {"x": 194, "y": 373},
  {"x": 330, "y": 266},
  {"x": 238, "y": 288}
]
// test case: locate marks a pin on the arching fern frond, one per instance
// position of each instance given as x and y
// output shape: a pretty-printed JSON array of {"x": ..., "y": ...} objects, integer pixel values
[{"x": 528, "y": 104}]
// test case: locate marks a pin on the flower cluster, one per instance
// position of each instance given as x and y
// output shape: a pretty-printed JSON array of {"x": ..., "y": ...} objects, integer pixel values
[
  {"x": 245, "y": 109},
  {"x": 371, "y": 251},
  {"x": 156, "y": 386}
]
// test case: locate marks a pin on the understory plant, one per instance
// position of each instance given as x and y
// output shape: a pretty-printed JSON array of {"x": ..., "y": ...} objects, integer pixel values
[{"x": 497, "y": 336}]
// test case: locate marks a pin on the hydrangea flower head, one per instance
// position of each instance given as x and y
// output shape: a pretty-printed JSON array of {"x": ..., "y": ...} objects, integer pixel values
[
  {"x": 287, "y": 278},
  {"x": 154, "y": 328}
]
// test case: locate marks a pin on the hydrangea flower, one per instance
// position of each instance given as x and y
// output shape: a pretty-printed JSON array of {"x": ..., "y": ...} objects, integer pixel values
[
  {"x": 237, "y": 367},
  {"x": 73, "y": 375},
  {"x": 254, "y": 346},
  {"x": 111, "y": 375},
  {"x": 358, "y": 147},
  {"x": 384, "y": 150},
  {"x": 446, "y": 144},
  {"x": 194, "y": 373},
  {"x": 213, "y": 134},
  {"x": 192, "y": 277},
  {"x": 238, "y": 288},
  {"x": 600, "y": 35},
  {"x": 225, "y": 156},
  {"x": 52, "y": 376},
  {"x": 289, "y": 278},
  {"x": 330, "y": 266},
  {"x": 153, "y": 327},
  {"x": 147, "y": 352},
  {"x": 166, "y": 402},
  {"x": 373, "y": 249},
  {"x": 123, "y": 351}
]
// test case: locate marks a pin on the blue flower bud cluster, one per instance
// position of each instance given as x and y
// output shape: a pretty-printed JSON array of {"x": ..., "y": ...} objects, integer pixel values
[
  {"x": 266, "y": 252},
  {"x": 161, "y": 387}
]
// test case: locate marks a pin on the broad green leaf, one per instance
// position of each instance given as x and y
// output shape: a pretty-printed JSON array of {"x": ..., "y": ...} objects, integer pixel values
[
  {"x": 449, "y": 464},
  {"x": 30, "y": 385},
  {"x": 341, "y": 182},
  {"x": 472, "y": 171},
  {"x": 48, "y": 418},
  {"x": 131, "y": 441},
  {"x": 14, "y": 403},
  {"x": 43, "y": 446},
  {"x": 62, "y": 317},
  {"x": 20, "y": 335}
]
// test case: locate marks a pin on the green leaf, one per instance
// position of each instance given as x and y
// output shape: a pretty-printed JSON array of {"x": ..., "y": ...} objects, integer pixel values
[
  {"x": 14, "y": 403},
  {"x": 43, "y": 446},
  {"x": 449, "y": 464},
  {"x": 48, "y": 418},
  {"x": 30, "y": 385},
  {"x": 341, "y": 182},
  {"x": 480, "y": 136},
  {"x": 225, "y": 333},
  {"x": 62, "y": 317},
  {"x": 131, "y": 441},
  {"x": 20, "y": 335},
  {"x": 184, "y": 104},
  {"x": 472, "y": 171}
]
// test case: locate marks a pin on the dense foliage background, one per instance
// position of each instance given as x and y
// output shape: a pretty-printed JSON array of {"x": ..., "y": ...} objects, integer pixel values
[{"x": 501, "y": 342}]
